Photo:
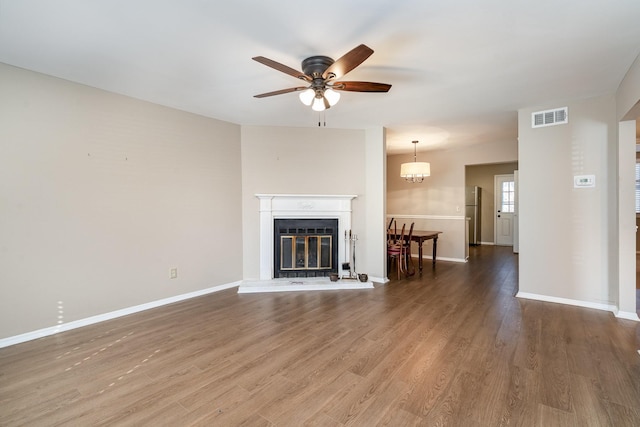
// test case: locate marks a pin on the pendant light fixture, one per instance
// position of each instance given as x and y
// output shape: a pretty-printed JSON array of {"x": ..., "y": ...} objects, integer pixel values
[{"x": 415, "y": 171}]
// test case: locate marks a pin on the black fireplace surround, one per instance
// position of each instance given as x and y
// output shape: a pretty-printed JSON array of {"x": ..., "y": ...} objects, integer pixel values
[{"x": 305, "y": 247}]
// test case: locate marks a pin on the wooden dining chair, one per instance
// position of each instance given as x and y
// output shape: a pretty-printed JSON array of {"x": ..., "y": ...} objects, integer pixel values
[
  {"x": 406, "y": 252},
  {"x": 395, "y": 244}
]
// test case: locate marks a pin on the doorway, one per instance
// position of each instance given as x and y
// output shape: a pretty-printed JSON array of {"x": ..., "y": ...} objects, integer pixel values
[
  {"x": 483, "y": 176},
  {"x": 505, "y": 204}
]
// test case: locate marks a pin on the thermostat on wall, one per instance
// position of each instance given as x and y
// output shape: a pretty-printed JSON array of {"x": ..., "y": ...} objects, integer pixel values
[{"x": 584, "y": 181}]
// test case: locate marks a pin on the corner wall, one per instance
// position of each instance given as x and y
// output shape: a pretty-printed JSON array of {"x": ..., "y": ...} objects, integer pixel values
[{"x": 285, "y": 160}]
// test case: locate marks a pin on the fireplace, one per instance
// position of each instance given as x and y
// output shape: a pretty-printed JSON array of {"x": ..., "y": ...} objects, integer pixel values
[
  {"x": 302, "y": 207},
  {"x": 305, "y": 247}
]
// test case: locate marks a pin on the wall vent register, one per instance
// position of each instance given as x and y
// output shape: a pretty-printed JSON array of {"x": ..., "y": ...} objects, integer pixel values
[{"x": 557, "y": 116}]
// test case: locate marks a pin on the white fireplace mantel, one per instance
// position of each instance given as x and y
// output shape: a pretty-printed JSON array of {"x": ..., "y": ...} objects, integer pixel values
[{"x": 286, "y": 206}]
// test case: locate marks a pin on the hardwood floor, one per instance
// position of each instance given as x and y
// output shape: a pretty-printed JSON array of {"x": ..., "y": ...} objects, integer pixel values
[{"x": 453, "y": 347}]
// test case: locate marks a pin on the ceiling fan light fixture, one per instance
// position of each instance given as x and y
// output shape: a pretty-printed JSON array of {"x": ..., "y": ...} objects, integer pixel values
[
  {"x": 332, "y": 96},
  {"x": 322, "y": 75},
  {"x": 306, "y": 96},
  {"x": 318, "y": 104},
  {"x": 415, "y": 171}
]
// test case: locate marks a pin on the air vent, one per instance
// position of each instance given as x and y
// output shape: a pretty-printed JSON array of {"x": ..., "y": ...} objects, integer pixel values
[{"x": 557, "y": 116}]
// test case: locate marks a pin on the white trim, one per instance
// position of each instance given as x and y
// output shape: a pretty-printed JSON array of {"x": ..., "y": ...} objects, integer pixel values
[
  {"x": 430, "y": 258},
  {"x": 627, "y": 315},
  {"x": 487, "y": 243},
  {"x": 380, "y": 280},
  {"x": 52, "y": 330},
  {"x": 330, "y": 197},
  {"x": 435, "y": 217},
  {"x": 302, "y": 284},
  {"x": 598, "y": 306}
]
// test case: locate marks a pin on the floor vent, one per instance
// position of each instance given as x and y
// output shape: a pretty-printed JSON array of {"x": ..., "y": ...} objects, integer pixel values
[{"x": 557, "y": 116}]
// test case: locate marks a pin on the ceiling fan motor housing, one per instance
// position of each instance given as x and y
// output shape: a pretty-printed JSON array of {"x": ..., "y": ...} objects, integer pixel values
[{"x": 315, "y": 66}]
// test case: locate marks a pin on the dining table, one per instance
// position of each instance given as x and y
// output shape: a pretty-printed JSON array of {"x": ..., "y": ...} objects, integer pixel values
[{"x": 421, "y": 236}]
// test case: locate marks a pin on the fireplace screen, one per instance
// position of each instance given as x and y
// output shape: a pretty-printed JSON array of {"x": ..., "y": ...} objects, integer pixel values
[
  {"x": 305, "y": 252},
  {"x": 305, "y": 247}
]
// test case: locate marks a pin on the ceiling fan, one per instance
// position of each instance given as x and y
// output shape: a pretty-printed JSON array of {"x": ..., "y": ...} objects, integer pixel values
[{"x": 321, "y": 74}]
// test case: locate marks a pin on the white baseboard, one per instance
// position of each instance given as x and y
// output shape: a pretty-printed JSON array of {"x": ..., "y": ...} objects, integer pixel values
[
  {"x": 17, "y": 339},
  {"x": 381, "y": 280},
  {"x": 430, "y": 258},
  {"x": 627, "y": 315},
  {"x": 567, "y": 301},
  {"x": 487, "y": 243}
]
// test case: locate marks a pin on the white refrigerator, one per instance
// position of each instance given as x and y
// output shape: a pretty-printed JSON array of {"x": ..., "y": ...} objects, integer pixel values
[{"x": 473, "y": 198}]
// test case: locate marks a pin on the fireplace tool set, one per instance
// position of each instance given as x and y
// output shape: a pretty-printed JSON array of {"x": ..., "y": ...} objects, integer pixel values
[{"x": 350, "y": 240}]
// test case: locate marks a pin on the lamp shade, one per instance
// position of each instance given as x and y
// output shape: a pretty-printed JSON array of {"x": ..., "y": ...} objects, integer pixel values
[
  {"x": 306, "y": 96},
  {"x": 332, "y": 96},
  {"x": 318, "y": 104},
  {"x": 413, "y": 170}
]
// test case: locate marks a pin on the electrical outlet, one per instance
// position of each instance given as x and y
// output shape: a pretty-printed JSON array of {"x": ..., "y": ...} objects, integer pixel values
[{"x": 174, "y": 273}]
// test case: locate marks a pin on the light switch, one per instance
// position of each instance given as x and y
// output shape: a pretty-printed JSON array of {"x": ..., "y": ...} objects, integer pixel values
[{"x": 584, "y": 181}]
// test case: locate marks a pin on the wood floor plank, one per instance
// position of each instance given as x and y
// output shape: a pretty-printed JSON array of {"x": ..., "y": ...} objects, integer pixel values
[
  {"x": 452, "y": 346},
  {"x": 453, "y": 407},
  {"x": 590, "y": 409},
  {"x": 555, "y": 384},
  {"x": 550, "y": 416},
  {"x": 382, "y": 407},
  {"x": 306, "y": 398}
]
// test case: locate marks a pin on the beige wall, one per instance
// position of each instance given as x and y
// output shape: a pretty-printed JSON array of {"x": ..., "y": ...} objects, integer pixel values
[
  {"x": 483, "y": 177},
  {"x": 564, "y": 232},
  {"x": 627, "y": 109},
  {"x": 624, "y": 238},
  {"x": 280, "y": 160},
  {"x": 438, "y": 202},
  {"x": 101, "y": 195},
  {"x": 628, "y": 94}
]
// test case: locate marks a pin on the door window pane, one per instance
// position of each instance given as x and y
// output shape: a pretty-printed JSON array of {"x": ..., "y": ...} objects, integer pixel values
[{"x": 508, "y": 196}]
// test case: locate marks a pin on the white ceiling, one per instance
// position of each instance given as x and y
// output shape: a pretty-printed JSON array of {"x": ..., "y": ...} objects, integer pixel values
[{"x": 460, "y": 70}]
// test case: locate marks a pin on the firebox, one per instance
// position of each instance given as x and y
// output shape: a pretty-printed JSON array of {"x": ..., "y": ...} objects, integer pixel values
[{"x": 305, "y": 247}]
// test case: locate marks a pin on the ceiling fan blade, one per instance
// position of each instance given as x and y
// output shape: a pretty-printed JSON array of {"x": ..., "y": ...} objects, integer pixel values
[
  {"x": 361, "y": 86},
  {"x": 348, "y": 62},
  {"x": 279, "y": 92},
  {"x": 281, "y": 67}
]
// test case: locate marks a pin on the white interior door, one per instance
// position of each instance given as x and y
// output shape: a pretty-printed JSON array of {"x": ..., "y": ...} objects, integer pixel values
[{"x": 505, "y": 191}]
